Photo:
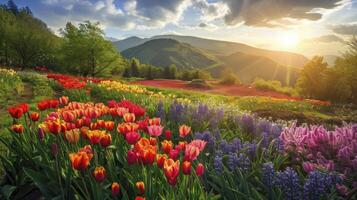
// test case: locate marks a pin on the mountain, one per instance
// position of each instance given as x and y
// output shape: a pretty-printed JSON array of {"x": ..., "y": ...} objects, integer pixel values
[
  {"x": 164, "y": 52},
  {"x": 219, "y": 48},
  {"x": 112, "y": 39},
  {"x": 248, "y": 67}
]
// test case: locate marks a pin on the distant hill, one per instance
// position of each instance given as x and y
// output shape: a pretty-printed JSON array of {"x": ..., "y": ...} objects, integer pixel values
[
  {"x": 219, "y": 48},
  {"x": 164, "y": 52},
  {"x": 248, "y": 67}
]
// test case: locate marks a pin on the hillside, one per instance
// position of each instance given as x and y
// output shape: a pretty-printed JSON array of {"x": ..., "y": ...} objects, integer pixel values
[
  {"x": 249, "y": 67},
  {"x": 164, "y": 52},
  {"x": 216, "y": 47}
]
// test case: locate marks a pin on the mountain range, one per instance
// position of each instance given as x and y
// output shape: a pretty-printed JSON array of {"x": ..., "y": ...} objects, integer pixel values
[{"x": 188, "y": 52}]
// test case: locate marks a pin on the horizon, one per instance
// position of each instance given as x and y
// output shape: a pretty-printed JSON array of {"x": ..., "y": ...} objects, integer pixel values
[{"x": 308, "y": 28}]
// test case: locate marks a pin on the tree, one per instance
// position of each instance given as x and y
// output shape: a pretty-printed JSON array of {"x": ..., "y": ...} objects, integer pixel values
[
  {"x": 311, "y": 80},
  {"x": 12, "y": 7},
  {"x": 149, "y": 74},
  {"x": 134, "y": 68},
  {"x": 85, "y": 51}
]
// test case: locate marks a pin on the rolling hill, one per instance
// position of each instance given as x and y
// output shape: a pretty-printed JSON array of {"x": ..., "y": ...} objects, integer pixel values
[
  {"x": 164, "y": 52},
  {"x": 221, "y": 48}
]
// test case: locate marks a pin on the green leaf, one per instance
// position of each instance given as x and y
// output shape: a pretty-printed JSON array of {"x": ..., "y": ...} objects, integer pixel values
[
  {"x": 41, "y": 182},
  {"x": 7, "y": 190}
]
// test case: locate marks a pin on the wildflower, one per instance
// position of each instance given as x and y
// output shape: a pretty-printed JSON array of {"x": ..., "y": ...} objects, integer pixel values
[
  {"x": 35, "y": 116},
  {"x": 171, "y": 170},
  {"x": 115, "y": 189},
  {"x": 140, "y": 186},
  {"x": 184, "y": 130},
  {"x": 72, "y": 136},
  {"x": 105, "y": 140},
  {"x": 155, "y": 130},
  {"x": 186, "y": 167},
  {"x": 132, "y": 137},
  {"x": 99, "y": 174},
  {"x": 131, "y": 157},
  {"x": 129, "y": 117},
  {"x": 160, "y": 159},
  {"x": 16, "y": 112},
  {"x": 17, "y": 128},
  {"x": 200, "y": 169},
  {"x": 166, "y": 146}
]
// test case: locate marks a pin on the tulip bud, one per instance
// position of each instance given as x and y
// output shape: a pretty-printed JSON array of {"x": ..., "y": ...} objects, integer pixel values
[
  {"x": 160, "y": 159},
  {"x": 54, "y": 149},
  {"x": 35, "y": 116},
  {"x": 186, "y": 167},
  {"x": 99, "y": 174},
  {"x": 167, "y": 134},
  {"x": 115, "y": 189},
  {"x": 200, "y": 169},
  {"x": 41, "y": 134},
  {"x": 141, "y": 187}
]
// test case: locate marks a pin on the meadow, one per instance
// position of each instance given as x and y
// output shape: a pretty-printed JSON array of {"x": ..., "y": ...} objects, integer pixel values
[{"x": 68, "y": 137}]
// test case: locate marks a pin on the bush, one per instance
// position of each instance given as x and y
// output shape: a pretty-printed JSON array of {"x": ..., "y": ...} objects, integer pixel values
[
  {"x": 199, "y": 83},
  {"x": 273, "y": 85},
  {"x": 230, "y": 79}
]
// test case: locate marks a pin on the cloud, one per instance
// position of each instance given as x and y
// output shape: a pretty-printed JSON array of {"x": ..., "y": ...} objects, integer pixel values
[
  {"x": 271, "y": 13},
  {"x": 326, "y": 39},
  {"x": 210, "y": 11},
  {"x": 345, "y": 29}
]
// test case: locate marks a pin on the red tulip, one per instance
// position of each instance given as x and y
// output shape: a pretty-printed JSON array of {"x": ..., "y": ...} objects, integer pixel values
[
  {"x": 160, "y": 159},
  {"x": 106, "y": 140},
  {"x": 153, "y": 141},
  {"x": 95, "y": 136},
  {"x": 68, "y": 116},
  {"x": 132, "y": 137},
  {"x": 184, "y": 130},
  {"x": 191, "y": 152},
  {"x": 82, "y": 158},
  {"x": 174, "y": 154},
  {"x": 139, "y": 198},
  {"x": 109, "y": 125},
  {"x": 17, "y": 128},
  {"x": 129, "y": 117},
  {"x": 54, "y": 127},
  {"x": 43, "y": 105},
  {"x": 99, "y": 174},
  {"x": 200, "y": 169},
  {"x": 35, "y": 116},
  {"x": 167, "y": 146},
  {"x": 63, "y": 100},
  {"x": 171, "y": 170},
  {"x": 167, "y": 134},
  {"x": 101, "y": 123},
  {"x": 186, "y": 167},
  {"x": 24, "y": 107},
  {"x": 15, "y": 112},
  {"x": 131, "y": 157},
  {"x": 54, "y": 103},
  {"x": 140, "y": 186},
  {"x": 115, "y": 189},
  {"x": 147, "y": 155}
]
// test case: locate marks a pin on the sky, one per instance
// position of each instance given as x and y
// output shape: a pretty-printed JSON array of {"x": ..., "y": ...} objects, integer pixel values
[{"x": 309, "y": 27}]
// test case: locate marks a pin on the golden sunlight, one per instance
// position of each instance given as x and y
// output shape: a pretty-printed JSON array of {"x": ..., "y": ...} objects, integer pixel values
[{"x": 290, "y": 40}]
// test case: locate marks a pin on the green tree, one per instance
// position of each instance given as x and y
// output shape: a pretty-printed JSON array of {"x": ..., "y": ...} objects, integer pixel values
[
  {"x": 12, "y": 7},
  {"x": 134, "y": 68},
  {"x": 149, "y": 74},
  {"x": 85, "y": 51},
  {"x": 311, "y": 80}
]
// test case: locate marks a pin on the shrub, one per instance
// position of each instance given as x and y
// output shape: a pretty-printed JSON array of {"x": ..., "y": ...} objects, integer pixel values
[
  {"x": 273, "y": 85},
  {"x": 199, "y": 83},
  {"x": 230, "y": 79}
]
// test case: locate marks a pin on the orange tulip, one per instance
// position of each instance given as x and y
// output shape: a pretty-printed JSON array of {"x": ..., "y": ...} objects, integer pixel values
[
  {"x": 143, "y": 142},
  {"x": 155, "y": 121},
  {"x": 124, "y": 128},
  {"x": 81, "y": 159},
  {"x": 186, "y": 167},
  {"x": 84, "y": 132},
  {"x": 99, "y": 174},
  {"x": 184, "y": 130},
  {"x": 106, "y": 140},
  {"x": 72, "y": 136},
  {"x": 167, "y": 146},
  {"x": 35, "y": 116},
  {"x": 129, "y": 117},
  {"x": 68, "y": 116},
  {"x": 115, "y": 189},
  {"x": 171, "y": 170},
  {"x": 140, "y": 186},
  {"x": 101, "y": 123},
  {"x": 17, "y": 128},
  {"x": 109, "y": 125},
  {"x": 95, "y": 136},
  {"x": 54, "y": 127},
  {"x": 160, "y": 159},
  {"x": 63, "y": 100},
  {"x": 153, "y": 141},
  {"x": 148, "y": 154}
]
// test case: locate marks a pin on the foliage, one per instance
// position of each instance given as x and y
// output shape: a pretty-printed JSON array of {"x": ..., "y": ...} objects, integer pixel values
[
  {"x": 40, "y": 85},
  {"x": 11, "y": 85},
  {"x": 273, "y": 85}
]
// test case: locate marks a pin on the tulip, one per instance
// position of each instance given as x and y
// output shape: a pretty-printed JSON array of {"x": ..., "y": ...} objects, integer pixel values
[
  {"x": 132, "y": 137},
  {"x": 81, "y": 159},
  {"x": 16, "y": 112},
  {"x": 139, "y": 198},
  {"x": 63, "y": 100},
  {"x": 101, "y": 123},
  {"x": 171, "y": 170},
  {"x": 141, "y": 144},
  {"x": 17, "y": 128},
  {"x": 167, "y": 134},
  {"x": 153, "y": 141},
  {"x": 140, "y": 186},
  {"x": 43, "y": 105},
  {"x": 186, "y": 167},
  {"x": 200, "y": 144},
  {"x": 131, "y": 157},
  {"x": 24, "y": 107},
  {"x": 143, "y": 124},
  {"x": 95, "y": 136},
  {"x": 308, "y": 167},
  {"x": 54, "y": 103},
  {"x": 54, "y": 127},
  {"x": 124, "y": 128},
  {"x": 68, "y": 116},
  {"x": 155, "y": 121},
  {"x": 84, "y": 132},
  {"x": 155, "y": 130},
  {"x": 181, "y": 146},
  {"x": 174, "y": 154},
  {"x": 34, "y": 116},
  {"x": 191, "y": 152},
  {"x": 109, "y": 125},
  {"x": 106, "y": 140},
  {"x": 115, "y": 189},
  {"x": 148, "y": 154},
  {"x": 129, "y": 117},
  {"x": 184, "y": 130},
  {"x": 99, "y": 174},
  {"x": 166, "y": 146},
  {"x": 94, "y": 126},
  {"x": 160, "y": 159},
  {"x": 70, "y": 126},
  {"x": 41, "y": 134},
  {"x": 72, "y": 136},
  {"x": 200, "y": 169}
]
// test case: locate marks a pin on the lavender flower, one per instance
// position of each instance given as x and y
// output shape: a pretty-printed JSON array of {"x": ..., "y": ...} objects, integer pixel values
[
  {"x": 288, "y": 182},
  {"x": 268, "y": 178}
]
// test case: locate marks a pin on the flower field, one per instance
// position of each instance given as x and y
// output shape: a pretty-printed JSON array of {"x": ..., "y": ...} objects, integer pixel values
[{"x": 102, "y": 139}]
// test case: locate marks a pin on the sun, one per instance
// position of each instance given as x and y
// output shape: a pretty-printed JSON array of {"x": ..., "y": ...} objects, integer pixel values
[{"x": 290, "y": 40}]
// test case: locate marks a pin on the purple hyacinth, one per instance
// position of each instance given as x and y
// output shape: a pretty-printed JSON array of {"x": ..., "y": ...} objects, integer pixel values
[
  {"x": 231, "y": 147},
  {"x": 246, "y": 123},
  {"x": 288, "y": 182},
  {"x": 317, "y": 185},
  {"x": 251, "y": 148},
  {"x": 160, "y": 110},
  {"x": 268, "y": 177},
  {"x": 242, "y": 162},
  {"x": 218, "y": 164},
  {"x": 176, "y": 112},
  {"x": 232, "y": 161},
  {"x": 264, "y": 126},
  {"x": 216, "y": 117}
]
